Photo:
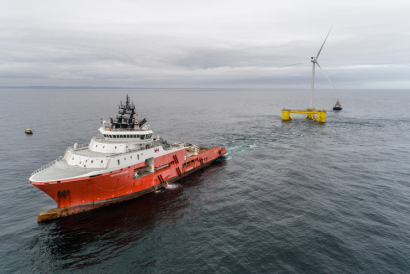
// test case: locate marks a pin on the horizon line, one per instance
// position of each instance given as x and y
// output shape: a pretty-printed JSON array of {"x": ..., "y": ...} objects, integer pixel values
[{"x": 173, "y": 88}]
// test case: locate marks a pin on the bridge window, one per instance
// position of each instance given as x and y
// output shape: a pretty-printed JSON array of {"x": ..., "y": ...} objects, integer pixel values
[
  {"x": 115, "y": 136},
  {"x": 92, "y": 161},
  {"x": 118, "y": 161},
  {"x": 102, "y": 161},
  {"x": 115, "y": 147},
  {"x": 128, "y": 136},
  {"x": 138, "y": 156}
]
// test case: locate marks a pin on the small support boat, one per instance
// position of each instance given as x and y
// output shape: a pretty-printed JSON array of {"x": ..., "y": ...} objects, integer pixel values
[
  {"x": 337, "y": 106},
  {"x": 28, "y": 131}
]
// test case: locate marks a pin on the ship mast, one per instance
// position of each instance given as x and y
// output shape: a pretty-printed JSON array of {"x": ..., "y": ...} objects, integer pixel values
[{"x": 125, "y": 117}]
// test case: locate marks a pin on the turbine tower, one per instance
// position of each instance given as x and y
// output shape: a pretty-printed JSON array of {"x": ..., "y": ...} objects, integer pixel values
[{"x": 314, "y": 63}]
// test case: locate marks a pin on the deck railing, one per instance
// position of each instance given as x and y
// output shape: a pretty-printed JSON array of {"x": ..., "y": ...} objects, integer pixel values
[
  {"x": 81, "y": 146},
  {"x": 48, "y": 165}
]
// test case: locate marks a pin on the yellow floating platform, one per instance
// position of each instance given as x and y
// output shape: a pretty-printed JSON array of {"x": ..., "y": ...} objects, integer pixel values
[{"x": 310, "y": 114}]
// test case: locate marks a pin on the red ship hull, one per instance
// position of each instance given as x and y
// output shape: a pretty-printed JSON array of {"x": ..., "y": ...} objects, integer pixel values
[{"x": 91, "y": 192}]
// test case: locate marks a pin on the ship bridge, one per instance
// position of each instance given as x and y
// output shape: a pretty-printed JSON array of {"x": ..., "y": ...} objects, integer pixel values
[{"x": 143, "y": 134}]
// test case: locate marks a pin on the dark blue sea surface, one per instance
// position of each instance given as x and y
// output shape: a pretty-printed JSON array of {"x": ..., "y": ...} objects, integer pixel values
[{"x": 288, "y": 197}]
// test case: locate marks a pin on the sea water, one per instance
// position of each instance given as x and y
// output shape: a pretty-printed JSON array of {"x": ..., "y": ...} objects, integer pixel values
[{"x": 288, "y": 197}]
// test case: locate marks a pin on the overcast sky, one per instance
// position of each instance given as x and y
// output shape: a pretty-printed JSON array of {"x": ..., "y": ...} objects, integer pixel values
[{"x": 228, "y": 44}]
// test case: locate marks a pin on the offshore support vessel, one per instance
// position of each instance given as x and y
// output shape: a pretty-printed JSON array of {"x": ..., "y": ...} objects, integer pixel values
[
  {"x": 338, "y": 106},
  {"x": 125, "y": 162}
]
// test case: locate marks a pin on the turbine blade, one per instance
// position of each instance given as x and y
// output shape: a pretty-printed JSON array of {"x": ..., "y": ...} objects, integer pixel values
[
  {"x": 293, "y": 65},
  {"x": 317, "y": 57},
  {"x": 325, "y": 75}
]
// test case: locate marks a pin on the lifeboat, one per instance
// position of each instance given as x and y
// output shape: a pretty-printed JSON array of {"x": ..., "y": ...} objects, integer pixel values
[{"x": 28, "y": 131}]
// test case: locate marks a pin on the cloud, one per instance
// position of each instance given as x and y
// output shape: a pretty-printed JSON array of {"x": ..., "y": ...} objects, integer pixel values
[{"x": 203, "y": 43}]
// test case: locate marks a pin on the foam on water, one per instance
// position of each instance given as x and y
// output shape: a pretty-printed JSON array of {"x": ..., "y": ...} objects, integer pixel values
[{"x": 173, "y": 186}]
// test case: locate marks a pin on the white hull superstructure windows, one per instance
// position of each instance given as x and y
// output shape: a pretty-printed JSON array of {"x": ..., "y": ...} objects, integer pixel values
[{"x": 128, "y": 136}]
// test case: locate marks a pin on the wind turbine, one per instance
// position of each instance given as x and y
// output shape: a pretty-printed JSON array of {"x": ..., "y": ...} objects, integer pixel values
[
  {"x": 311, "y": 111},
  {"x": 314, "y": 63}
]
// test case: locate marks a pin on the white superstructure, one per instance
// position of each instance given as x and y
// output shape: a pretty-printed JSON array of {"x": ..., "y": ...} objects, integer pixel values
[{"x": 124, "y": 141}]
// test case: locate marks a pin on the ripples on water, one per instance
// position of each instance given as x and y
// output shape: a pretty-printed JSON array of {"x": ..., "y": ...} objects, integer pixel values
[{"x": 287, "y": 197}]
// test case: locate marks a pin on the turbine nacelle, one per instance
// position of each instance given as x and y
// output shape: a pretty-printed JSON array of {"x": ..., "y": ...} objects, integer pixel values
[{"x": 313, "y": 59}]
